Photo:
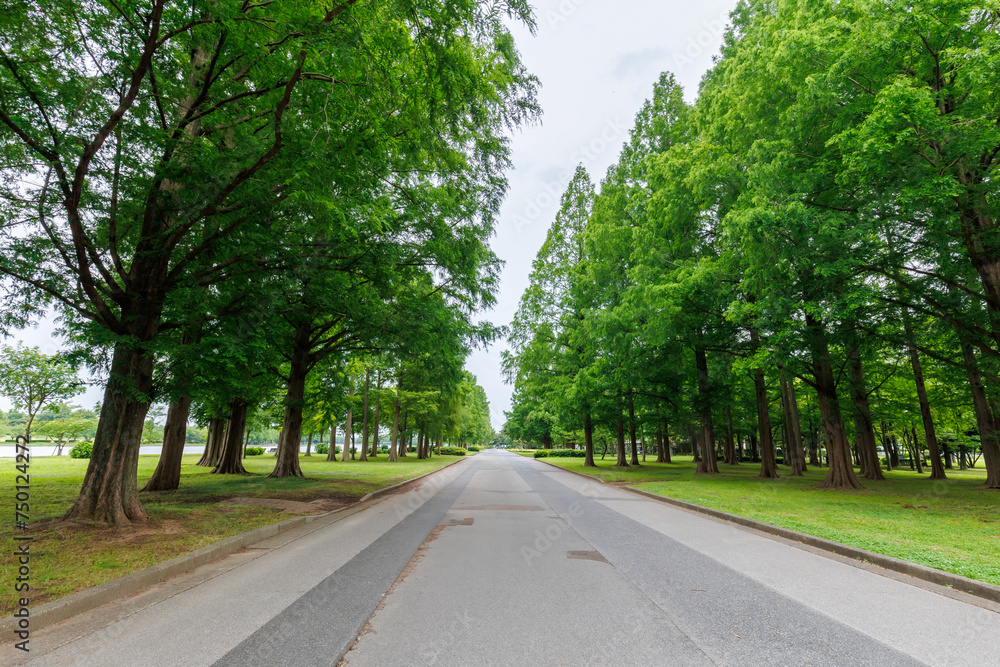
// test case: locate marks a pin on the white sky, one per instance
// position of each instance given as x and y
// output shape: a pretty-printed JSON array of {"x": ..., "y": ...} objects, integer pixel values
[{"x": 597, "y": 61}]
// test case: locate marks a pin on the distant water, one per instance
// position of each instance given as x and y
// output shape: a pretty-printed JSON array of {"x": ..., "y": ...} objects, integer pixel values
[{"x": 45, "y": 449}]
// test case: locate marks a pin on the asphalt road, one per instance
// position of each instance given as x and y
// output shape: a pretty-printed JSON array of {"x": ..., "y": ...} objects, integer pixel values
[{"x": 502, "y": 560}]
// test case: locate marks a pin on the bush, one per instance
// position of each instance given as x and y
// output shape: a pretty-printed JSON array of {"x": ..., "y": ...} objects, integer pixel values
[
  {"x": 452, "y": 451},
  {"x": 255, "y": 451},
  {"x": 82, "y": 450},
  {"x": 566, "y": 453},
  {"x": 474, "y": 448},
  {"x": 322, "y": 448}
]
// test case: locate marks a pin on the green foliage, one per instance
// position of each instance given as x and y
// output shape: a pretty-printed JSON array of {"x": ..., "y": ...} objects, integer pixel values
[
  {"x": 324, "y": 448},
  {"x": 560, "y": 453},
  {"x": 829, "y": 202},
  {"x": 473, "y": 448},
  {"x": 452, "y": 451},
  {"x": 82, "y": 450},
  {"x": 32, "y": 380},
  {"x": 255, "y": 451},
  {"x": 260, "y": 190}
]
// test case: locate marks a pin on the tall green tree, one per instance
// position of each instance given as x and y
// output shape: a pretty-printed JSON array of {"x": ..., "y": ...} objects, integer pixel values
[
  {"x": 31, "y": 381},
  {"x": 161, "y": 171}
]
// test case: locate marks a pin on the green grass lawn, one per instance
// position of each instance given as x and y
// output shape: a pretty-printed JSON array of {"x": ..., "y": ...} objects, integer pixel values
[
  {"x": 67, "y": 557},
  {"x": 951, "y": 525}
]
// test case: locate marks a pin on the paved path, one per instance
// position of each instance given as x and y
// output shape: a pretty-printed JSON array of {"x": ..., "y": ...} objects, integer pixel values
[{"x": 502, "y": 560}]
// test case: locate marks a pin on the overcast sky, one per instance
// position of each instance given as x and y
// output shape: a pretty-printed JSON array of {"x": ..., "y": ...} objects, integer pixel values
[{"x": 597, "y": 62}]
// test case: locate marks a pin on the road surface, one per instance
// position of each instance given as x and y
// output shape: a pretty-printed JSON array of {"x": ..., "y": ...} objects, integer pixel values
[{"x": 502, "y": 560}]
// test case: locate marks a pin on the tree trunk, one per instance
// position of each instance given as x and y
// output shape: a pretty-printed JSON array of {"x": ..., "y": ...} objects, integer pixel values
[
  {"x": 378, "y": 406},
  {"x": 841, "y": 473},
  {"x": 213, "y": 442},
  {"x": 420, "y": 444},
  {"x": 290, "y": 441},
  {"x": 230, "y": 462},
  {"x": 793, "y": 403},
  {"x": 405, "y": 436},
  {"x": 708, "y": 463},
  {"x": 631, "y": 429},
  {"x": 331, "y": 453},
  {"x": 867, "y": 447},
  {"x": 666, "y": 442},
  {"x": 309, "y": 443},
  {"x": 930, "y": 435},
  {"x": 659, "y": 445},
  {"x": 918, "y": 454},
  {"x": 813, "y": 447},
  {"x": 887, "y": 446},
  {"x": 393, "y": 455},
  {"x": 363, "y": 451},
  {"x": 588, "y": 441},
  {"x": 729, "y": 455},
  {"x": 793, "y": 448},
  {"x": 348, "y": 424},
  {"x": 695, "y": 447},
  {"x": 984, "y": 417},
  {"x": 110, "y": 493},
  {"x": 167, "y": 476},
  {"x": 622, "y": 461},
  {"x": 768, "y": 455}
]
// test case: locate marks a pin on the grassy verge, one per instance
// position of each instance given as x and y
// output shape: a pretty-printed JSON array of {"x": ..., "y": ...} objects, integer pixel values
[
  {"x": 951, "y": 525},
  {"x": 67, "y": 557}
]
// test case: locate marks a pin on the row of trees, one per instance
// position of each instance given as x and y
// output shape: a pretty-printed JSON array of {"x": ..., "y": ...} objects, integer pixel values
[
  {"x": 813, "y": 238},
  {"x": 355, "y": 400},
  {"x": 216, "y": 194},
  {"x": 36, "y": 383}
]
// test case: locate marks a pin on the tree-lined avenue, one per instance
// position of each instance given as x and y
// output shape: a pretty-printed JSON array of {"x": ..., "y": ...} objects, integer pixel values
[{"x": 504, "y": 560}]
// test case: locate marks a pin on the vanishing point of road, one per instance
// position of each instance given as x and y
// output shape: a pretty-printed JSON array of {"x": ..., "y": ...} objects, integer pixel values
[{"x": 503, "y": 560}]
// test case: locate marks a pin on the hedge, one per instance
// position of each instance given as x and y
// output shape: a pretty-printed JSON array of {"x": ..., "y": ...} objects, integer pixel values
[{"x": 568, "y": 453}]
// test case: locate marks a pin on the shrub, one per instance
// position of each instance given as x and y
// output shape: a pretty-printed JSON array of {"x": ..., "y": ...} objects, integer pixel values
[
  {"x": 566, "y": 453},
  {"x": 322, "y": 448},
  {"x": 82, "y": 450},
  {"x": 255, "y": 451},
  {"x": 452, "y": 451},
  {"x": 474, "y": 448}
]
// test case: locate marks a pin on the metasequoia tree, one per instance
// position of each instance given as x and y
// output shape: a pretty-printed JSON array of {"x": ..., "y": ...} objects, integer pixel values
[{"x": 145, "y": 145}]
